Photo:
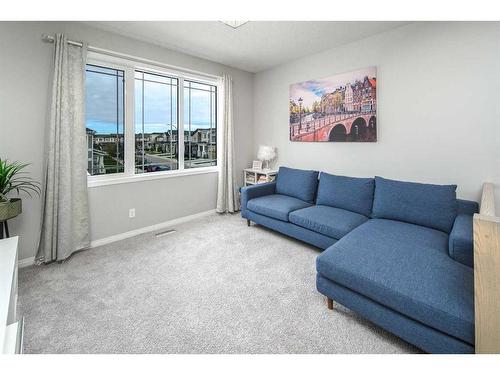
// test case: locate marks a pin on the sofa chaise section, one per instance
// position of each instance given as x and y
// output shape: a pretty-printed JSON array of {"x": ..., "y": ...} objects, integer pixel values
[
  {"x": 407, "y": 269},
  {"x": 426, "y": 338}
]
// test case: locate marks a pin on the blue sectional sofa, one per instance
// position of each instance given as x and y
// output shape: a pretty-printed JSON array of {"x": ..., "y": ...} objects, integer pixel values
[{"x": 398, "y": 253}]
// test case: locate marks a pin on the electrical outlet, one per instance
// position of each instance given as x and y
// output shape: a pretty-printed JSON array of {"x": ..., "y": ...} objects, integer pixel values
[{"x": 131, "y": 213}]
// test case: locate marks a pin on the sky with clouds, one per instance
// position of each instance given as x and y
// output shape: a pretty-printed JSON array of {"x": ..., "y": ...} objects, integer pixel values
[
  {"x": 312, "y": 90},
  {"x": 159, "y": 106}
]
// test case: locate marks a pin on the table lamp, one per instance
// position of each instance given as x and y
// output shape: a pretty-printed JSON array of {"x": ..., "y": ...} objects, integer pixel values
[{"x": 266, "y": 154}]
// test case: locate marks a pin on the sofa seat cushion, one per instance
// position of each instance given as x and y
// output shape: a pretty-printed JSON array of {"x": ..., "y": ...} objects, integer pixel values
[
  {"x": 330, "y": 221},
  {"x": 407, "y": 268},
  {"x": 276, "y": 206}
]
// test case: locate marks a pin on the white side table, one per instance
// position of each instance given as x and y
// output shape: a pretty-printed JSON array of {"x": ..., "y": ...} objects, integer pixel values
[
  {"x": 258, "y": 176},
  {"x": 11, "y": 329}
]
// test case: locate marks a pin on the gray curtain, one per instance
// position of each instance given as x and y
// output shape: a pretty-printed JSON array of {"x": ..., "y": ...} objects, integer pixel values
[
  {"x": 65, "y": 217},
  {"x": 227, "y": 191}
]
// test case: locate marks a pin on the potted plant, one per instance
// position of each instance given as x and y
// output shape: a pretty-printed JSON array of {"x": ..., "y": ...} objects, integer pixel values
[{"x": 14, "y": 179}]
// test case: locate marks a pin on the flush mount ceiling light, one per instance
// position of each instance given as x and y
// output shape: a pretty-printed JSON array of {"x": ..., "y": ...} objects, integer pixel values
[{"x": 234, "y": 24}]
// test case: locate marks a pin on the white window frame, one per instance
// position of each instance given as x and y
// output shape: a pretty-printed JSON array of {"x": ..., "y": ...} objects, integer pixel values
[{"x": 129, "y": 67}]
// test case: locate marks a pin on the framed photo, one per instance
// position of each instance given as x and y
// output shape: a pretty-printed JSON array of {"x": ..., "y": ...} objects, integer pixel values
[
  {"x": 341, "y": 108},
  {"x": 257, "y": 164}
]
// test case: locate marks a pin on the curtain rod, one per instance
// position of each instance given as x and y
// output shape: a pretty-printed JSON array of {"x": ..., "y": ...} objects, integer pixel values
[{"x": 50, "y": 39}]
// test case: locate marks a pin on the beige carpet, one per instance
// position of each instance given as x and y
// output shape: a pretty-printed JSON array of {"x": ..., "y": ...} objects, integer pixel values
[{"x": 214, "y": 286}]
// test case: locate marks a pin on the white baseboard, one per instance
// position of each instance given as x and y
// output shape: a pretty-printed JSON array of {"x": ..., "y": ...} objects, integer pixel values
[
  {"x": 121, "y": 236},
  {"x": 151, "y": 228},
  {"x": 26, "y": 262}
]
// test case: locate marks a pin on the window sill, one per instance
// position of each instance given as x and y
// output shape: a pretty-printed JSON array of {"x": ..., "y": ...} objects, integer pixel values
[{"x": 123, "y": 179}]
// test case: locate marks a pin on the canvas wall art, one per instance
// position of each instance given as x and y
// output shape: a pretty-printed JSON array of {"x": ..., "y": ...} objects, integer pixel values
[{"x": 341, "y": 108}]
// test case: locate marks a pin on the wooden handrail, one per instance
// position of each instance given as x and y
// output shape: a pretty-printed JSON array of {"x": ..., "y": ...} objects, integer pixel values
[{"x": 487, "y": 274}]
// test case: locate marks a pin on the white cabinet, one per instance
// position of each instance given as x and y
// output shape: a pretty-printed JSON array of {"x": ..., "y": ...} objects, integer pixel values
[
  {"x": 258, "y": 176},
  {"x": 11, "y": 329}
]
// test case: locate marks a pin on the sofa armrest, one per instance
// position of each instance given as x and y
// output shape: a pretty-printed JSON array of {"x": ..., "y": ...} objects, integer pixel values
[
  {"x": 460, "y": 243},
  {"x": 255, "y": 191},
  {"x": 467, "y": 207}
]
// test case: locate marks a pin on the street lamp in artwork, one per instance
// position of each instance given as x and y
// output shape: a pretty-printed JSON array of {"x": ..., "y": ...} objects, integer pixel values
[{"x": 300, "y": 113}]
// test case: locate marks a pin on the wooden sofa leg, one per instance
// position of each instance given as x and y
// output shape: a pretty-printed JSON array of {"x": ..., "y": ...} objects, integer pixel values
[
  {"x": 248, "y": 222},
  {"x": 329, "y": 302}
]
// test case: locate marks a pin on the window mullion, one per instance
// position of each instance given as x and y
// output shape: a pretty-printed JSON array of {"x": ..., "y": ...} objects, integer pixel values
[
  {"x": 129, "y": 122},
  {"x": 180, "y": 117}
]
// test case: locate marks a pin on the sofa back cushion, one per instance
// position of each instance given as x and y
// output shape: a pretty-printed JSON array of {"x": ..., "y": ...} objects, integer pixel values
[
  {"x": 349, "y": 193},
  {"x": 297, "y": 183},
  {"x": 433, "y": 206}
]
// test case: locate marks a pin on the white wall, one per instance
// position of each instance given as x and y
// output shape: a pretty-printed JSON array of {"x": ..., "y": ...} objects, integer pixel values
[
  {"x": 438, "y": 106},
  {"x": 438, "y": 116},
  {"x": 26, "y": 63}
]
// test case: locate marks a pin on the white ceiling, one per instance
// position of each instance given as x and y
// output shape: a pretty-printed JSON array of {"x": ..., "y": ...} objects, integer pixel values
[{"x": 255, "y": 46}]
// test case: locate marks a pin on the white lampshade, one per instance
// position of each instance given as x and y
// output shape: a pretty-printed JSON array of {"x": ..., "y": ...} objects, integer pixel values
[{"x": 266, "y": 153}]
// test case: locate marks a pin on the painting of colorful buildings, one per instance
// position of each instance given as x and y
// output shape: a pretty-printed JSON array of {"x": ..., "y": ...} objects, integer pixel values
[{"x": 342, "y": 108}]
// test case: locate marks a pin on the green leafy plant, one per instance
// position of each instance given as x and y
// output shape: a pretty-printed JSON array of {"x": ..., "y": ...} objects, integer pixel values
[{"x": 13, "y": 178}]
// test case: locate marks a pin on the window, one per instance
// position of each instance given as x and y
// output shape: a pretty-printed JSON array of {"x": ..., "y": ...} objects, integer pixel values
[
  {"x": 200, "y": 132},
  {"x": 104, "y": 120},
  {"x": 156, "y": 131},
  {"x": 140, "y": 123}
]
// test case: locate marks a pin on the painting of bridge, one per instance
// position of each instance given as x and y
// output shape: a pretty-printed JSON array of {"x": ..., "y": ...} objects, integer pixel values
[{"x": 342, "y": 108}]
